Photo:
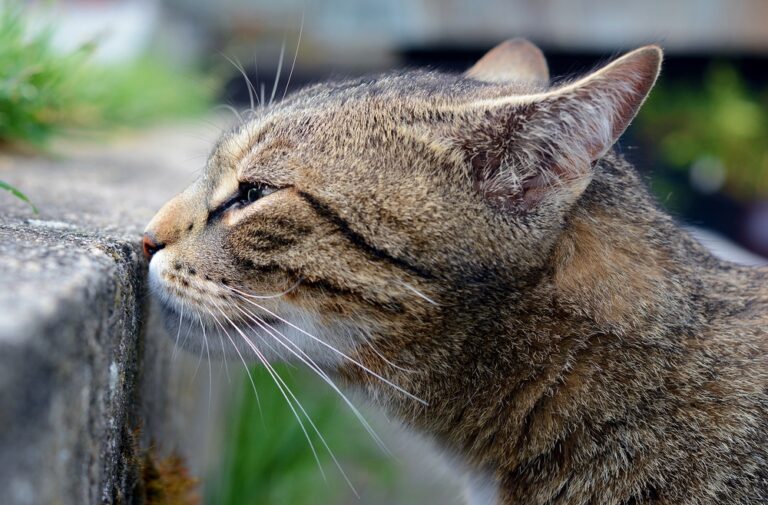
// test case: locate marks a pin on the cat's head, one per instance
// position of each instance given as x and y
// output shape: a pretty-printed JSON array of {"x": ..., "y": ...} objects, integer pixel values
[{"x": 377, "y": 207}]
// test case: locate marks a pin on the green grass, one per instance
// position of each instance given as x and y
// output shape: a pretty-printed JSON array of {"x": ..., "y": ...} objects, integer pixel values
[
  {"x": 18, "y": 194},
  {"x": 267, "y": 460},
  {"x": 44, "y": 93}
]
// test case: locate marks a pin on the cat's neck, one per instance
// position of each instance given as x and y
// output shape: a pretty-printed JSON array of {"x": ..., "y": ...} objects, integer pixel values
[{"x": 624, "y": 265}]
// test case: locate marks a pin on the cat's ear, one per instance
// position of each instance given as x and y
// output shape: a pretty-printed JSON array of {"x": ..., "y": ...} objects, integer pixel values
[
  {"x": 524, "y": 148},
  {"x": 512, "y": 60}
]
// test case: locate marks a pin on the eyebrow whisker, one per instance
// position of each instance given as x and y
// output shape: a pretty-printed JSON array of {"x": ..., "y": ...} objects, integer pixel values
[
  {"x": 279, "y": 71},
  {"x": 248, "y": 83},
  {"x": 295, "y": 55}
]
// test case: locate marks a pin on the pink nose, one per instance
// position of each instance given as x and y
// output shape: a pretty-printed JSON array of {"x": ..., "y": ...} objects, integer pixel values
[{"x": 151, "y": 246}]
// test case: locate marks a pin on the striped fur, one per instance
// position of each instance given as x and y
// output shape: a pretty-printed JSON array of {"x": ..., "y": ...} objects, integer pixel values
[{"x": 476, "y": 241}]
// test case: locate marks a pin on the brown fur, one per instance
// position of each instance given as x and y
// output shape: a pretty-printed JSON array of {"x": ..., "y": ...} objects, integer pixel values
[{"x": 569, "y": 340}]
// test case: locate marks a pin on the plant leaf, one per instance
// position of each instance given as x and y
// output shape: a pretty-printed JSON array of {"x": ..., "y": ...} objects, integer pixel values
[{"x": 18, "y": 194}]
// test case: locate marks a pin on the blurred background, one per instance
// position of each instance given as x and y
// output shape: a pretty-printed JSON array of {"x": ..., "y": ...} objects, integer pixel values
[{"x": 96, "y": 68}]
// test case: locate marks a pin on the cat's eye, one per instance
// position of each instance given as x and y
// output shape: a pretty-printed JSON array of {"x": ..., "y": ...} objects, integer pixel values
[
  {"x": 246, "y": 195},
  {"x": 253, "y": 192}
]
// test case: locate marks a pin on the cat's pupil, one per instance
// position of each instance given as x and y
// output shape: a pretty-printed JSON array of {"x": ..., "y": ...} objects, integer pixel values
[{"x": 254, "y": 194}]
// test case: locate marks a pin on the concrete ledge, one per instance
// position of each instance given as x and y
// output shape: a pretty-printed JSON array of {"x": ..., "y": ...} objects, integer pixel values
[
  {"x": 69, "y": 362},
  {"x": 84, "y": 389}
]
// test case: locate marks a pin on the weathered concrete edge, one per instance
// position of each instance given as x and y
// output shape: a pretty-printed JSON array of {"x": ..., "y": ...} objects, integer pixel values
[{"x": 73, "y": 404}]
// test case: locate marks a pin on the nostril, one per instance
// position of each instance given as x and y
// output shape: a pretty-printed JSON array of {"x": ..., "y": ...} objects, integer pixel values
[{"x": 151, "y": 246}]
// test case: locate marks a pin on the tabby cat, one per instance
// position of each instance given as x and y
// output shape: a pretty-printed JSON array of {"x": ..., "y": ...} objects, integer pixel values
[{"x": 471, "y": 253}]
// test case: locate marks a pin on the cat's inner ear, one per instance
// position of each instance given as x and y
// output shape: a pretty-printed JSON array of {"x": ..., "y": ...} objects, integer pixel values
[
  {"x": 523, "y": 147},
  {"x": 514, "y": 60}
]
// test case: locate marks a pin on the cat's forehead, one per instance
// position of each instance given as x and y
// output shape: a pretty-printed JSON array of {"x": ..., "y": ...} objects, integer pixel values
[{"x": 335, "y": 109}]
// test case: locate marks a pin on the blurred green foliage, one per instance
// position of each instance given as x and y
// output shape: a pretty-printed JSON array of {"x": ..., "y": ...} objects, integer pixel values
[
  {"x": 44, "y": 92},
  {"x": 267, "y": 459},
  {"x": 718, "y": 125}
]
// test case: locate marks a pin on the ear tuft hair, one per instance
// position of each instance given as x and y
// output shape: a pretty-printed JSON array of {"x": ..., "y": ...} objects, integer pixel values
[{"x": 527, "y": 148}]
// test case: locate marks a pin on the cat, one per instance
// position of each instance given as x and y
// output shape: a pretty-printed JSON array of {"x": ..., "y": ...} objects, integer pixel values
[{"x": 472, "y": 253}]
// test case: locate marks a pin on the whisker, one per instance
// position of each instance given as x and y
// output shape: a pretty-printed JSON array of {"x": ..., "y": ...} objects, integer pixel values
[
  {"x": 277, "y": 382},
  {"x": 277, "y": 295},
  {"x": 237, "y": 350},
  {"x": 279, "y": 70},
  {"x": 210, "y": 367},
  {"x": 295, "y": 55},
  {"x": 244, "y": 297},
  {"x": 178, "y": 331},
  {"x": 314, "y": 427},
  {"x": 223, "y": 354},
  {"x": 199, "y": 359},
  {"x": 228, "y": 107},
  {"x": 262, "y": 339},
  {"x": 384, "y": 358},
  {"x": 419, "y": 293},
  {"x": 248, "y": 83},
  {"x": 186, "y": 337},
  {"x": 259, "y": 100},
  {"x": 309, "y": 362}
]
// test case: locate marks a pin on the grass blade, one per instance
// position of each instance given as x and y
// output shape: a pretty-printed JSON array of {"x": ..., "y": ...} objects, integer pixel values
[{"x": 18, "y": 194}]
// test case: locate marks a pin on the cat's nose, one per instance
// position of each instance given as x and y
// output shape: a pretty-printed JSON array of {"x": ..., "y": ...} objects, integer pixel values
[{"x": 151, "y": 245}]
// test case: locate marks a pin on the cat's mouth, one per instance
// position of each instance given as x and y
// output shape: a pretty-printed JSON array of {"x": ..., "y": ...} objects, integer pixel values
[
  {"x": 230, "y": 323},
  {"x": 197, "y": 312}
]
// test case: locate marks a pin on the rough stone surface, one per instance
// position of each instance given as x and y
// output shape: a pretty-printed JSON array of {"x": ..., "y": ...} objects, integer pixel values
[
  {"x": 82, "y": 387},
  {"x": 69, "y": 338}
]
